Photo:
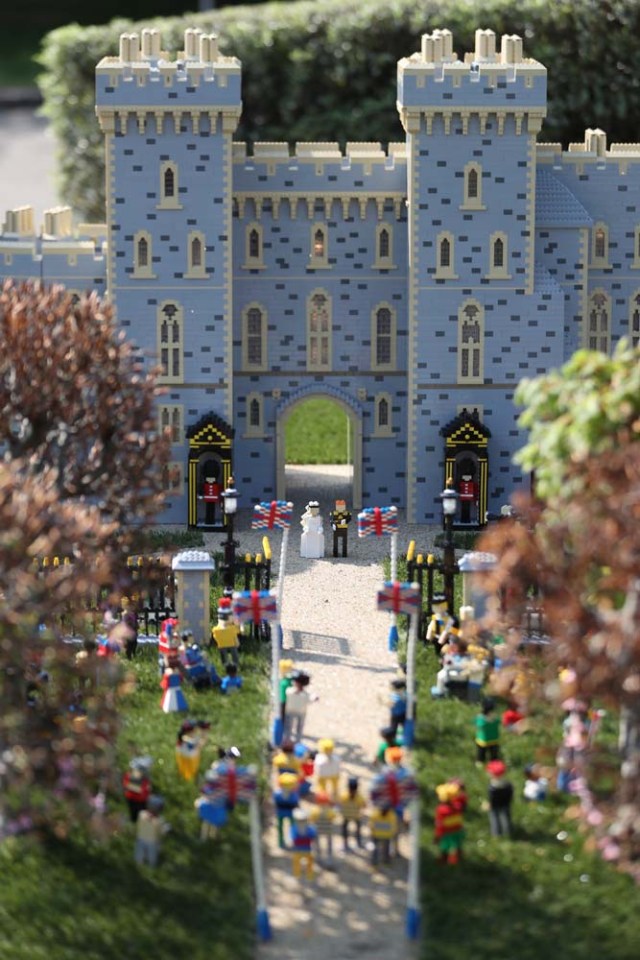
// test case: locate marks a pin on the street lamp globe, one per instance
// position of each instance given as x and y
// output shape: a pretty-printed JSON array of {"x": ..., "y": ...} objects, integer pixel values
[
  {"x": 449, "y": 500},
  {"x": 230, "y": 496}
]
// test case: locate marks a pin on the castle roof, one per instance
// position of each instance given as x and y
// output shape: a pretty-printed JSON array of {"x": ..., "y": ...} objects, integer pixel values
[{"x": 556, "y": 206}]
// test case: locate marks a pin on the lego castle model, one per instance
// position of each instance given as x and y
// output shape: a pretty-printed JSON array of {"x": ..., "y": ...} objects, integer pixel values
[{"x": 415, "y": 287}]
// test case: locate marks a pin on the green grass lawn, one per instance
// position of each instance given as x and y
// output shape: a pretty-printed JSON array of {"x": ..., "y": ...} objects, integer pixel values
[
  {"x": 316, "y": 432},
  {"x": 81, "y": 898},
  {"x": 526, "y": 898}
]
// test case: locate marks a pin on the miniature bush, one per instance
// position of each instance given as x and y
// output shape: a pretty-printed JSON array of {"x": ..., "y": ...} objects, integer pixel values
[{"x": 326, "y": 71}]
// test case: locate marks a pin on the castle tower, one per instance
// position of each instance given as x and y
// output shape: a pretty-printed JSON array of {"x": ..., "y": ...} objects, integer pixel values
[
  {"x": 471, "y": 127},
  {"x": 168, "y": 126}
]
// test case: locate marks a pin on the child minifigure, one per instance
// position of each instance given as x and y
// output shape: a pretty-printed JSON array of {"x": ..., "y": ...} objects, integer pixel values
[
  {"x": 232, "y": 682},
  {"x": 487, "y": 732},
  {"x": 327, "y": 767},
  {"x": 352, "y": 804},
  {"x": 323, "y": 819},
  {"x": 383, "y": 825},
  {"x": 312, "y": 540},
  {"x": 390, "y": 738},
  {"x": 398, "y": 704},
  {"x": 500, "y": 798},
  {"x": 285, "y": 667},
  {"x": 225, "y": 633},
  {"x": 303, "y": 836},
  {"x": 535, "y": 787},
  {"x": 173, "y": 699},
  {"x": 298, "y": 700},
  {"x": 136, "y": 785},
  {"x": 286, "y": 800},
  {"x": 449, "y": 821},
  {"x": 150, "y": 828}
]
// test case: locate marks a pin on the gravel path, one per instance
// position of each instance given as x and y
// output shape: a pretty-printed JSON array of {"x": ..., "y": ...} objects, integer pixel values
[{"x": 332, "y": 629}]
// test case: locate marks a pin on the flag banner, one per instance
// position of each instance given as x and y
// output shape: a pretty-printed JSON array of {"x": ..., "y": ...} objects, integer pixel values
[
  {"x": 276, "y": 514},
  {"x": 227, "y": 784},
  {"x": 377, "y": 521},
  {"x": 395, "y": 788},
  {"x": 255, "y": 605},
  {"x": 399, "y": 597}
]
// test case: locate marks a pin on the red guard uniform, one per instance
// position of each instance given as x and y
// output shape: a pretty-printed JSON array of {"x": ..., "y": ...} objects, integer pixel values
[
  {"x": 211, "y": 497},
  {"x": 468, "y": 495}
]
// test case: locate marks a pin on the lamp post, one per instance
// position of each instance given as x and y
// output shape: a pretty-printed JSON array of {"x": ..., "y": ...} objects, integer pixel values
[
  {"x": 449, "y": 499},
  {"x": 230, "y": 499}
]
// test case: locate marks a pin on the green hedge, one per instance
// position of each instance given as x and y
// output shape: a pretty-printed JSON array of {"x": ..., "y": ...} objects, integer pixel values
[{"x": 326, "y": 70}]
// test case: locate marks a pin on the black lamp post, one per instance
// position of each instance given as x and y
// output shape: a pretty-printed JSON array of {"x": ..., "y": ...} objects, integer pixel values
[
  {"x": 449, "y": 499},
  {"x": 230, "y": 500}
]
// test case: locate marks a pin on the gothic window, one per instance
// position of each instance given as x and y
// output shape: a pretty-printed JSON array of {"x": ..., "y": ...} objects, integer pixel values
[
  {"x": 384, "y": 244},
  {"x": 253, "y": 247},
  {"x": 383, "y": 426},
  {"x": 498, "y": 253},
  {"x": 170, "y": 335},
  {"x": 600, "y": 245},
  {"x": 470, "y": 343},
  {"x": 444, "y": 259},
  {"x": 383, "y": 337},
  {"x": 318, "y": 332},
  {"x": 319, "y": 247},
  {"x": 254, "y": 336},
  {"x": 143, "y": 252},
  {"x": 254, "y": 244},
  {"x": 384, "y": 247},
  {"x": 196, "y": 264},
  {"x": 445, "y": 254},
  {"x": 598, "y": 325},
  {"x": 498, "y": 256},
  {"x": 169, "y": 183},
  {"x": 634, "y": 319},
  {"x": 169, "y": 192},
  {"x": 142, "y": 263},
  {"x": 472, "y": 199},
  {"x": 171, "y": 420}
]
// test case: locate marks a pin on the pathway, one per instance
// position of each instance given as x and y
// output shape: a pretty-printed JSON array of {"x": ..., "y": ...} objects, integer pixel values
[{"x": 332, "y": 629}]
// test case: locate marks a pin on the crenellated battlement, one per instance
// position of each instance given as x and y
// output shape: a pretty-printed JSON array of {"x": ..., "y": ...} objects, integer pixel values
[
  {"x": 434, "y": 81},
  {"x": 330, "y": 152},
  {"x": 593, "y": 149},
  {"x": 142, "y": 80}
]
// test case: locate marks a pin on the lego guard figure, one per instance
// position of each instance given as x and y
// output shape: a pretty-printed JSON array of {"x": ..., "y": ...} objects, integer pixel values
[
  {"x": 211, "y": 494},
  {"x": 468, "y": 496},
  {"x": 340, "y": 519}
]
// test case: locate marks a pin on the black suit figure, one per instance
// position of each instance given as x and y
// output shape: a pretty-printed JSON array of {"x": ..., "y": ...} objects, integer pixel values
[{"x": 340, "y": 520}]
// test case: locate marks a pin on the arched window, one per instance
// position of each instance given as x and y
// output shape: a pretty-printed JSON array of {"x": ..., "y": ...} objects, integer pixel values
[
  {"x": 171, "y": 420},
  {"x": 445, "y": 254},
  {"x": 169, "y": 190},
  {"x": 470, "y": 343},
  {"x": 170, "y": 338},
  {"x": 142, "y": 256},
  {"x": 383, "y": 337},
  {"x": 253, "y": 247},
  {"x": 498, "y": 254},
  {"x": 254, "y": 336},
  {"x": 196, "y": 268},
  {"x": 384, "y": 247},
  {"x": 319, "y": 248},
  {"x": 599, "y": 322},
  {"x": 318, "y": 332},
  {"x": 384, "y": 244},
  {"x": 634, "y": 319},
  {"x": 472, "y": 199},
  {"x": 383, "y": 426},
  {"x": 254, "y": 244},
  {"x": 255, "y": 415},
  {"x": 600, "y": 245}
]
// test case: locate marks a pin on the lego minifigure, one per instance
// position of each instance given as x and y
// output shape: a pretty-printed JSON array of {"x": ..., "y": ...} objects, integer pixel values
[
  {"x": 226, "y": 633},
  {"x": 168, "y": 644},
  {"x": 307, "y": 761},
  {"x": 231, "y": 683},
  {"x": 298, "y": 700},
  {"x": 397, "y": 704},
  {"x": 390, "y": 738},
  {"x": 439, "y": 620},
  {"x": 130, "y": 623},
  {"x": 136, "y": 785},
  {"x": 211, "y": 495},
  {"x": 340, "y": 518},
  {"x": 383, "y": 825},
  {"x": 303, "y": 836},
  {"x": 286, "y": 799},
  {"x": 312, "y": 540},
  {"x": 323, "y": 819},
  {"x": 327, "y": 767},
  {"x": 285, "y": 667},
  {"x": 191, "y": 737},
  {"x": 352, "y": 805},
  {"x": 449, "y": 823},
  {"x": 487, "y": 732},
  {"x": 535, "y": 786},
  {"x": 196, "y": 668},
  {"x": 500, "y": 798},
  {"x": 150, "y": 828},
  {"x": 286, "y": 760},
  {"x": 173, "y": 699},
  {"x": 468, "y": 497}
]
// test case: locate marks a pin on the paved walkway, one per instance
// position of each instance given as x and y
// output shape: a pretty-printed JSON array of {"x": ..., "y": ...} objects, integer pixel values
[{"x": 333, "y": 630}]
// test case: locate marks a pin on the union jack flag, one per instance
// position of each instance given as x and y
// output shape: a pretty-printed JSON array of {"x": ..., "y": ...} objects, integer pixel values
[
  {"x": 227, "y": 784},
  {"x": 378, "y": 521},
  {"x": 269, "y": 515},
  {"x": 394, "y": 788},
  {"x": 255, "y": 605},
  {"x": 399, "y": 597}
]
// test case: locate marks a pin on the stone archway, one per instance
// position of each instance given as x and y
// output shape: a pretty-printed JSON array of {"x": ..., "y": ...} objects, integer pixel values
[{"x": 354, "y": 413}]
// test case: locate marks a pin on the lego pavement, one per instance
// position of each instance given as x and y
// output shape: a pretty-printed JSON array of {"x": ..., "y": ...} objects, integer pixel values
[{"x": 333, "y": 631}]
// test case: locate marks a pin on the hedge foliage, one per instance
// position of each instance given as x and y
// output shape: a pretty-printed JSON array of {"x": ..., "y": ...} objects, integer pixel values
[{"x": 326, "y": 70}]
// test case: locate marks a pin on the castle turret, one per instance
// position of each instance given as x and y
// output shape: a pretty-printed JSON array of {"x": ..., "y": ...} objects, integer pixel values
[
  {"x": 471, "y": 127},
  {"x": 168, "y": 126}
]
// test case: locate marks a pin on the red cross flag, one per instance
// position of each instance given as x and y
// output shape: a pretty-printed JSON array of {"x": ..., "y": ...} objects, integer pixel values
[
  {"x": 276, "y": 514},
  {"x": 255, "y": 605},
  {"x": 399, "y": 597}
]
